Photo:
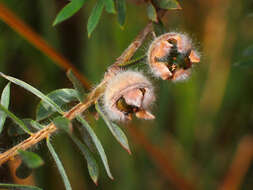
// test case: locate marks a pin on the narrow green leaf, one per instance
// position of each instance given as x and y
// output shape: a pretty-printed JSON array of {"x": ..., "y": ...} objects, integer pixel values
[
  {"x": 91, "y": 162},
  {"x": 115, "y": 130},
  {"x": 59, "y": 165},
  {"x": 121, "y": 10},
  {"x": 27, "y": 122},
  {"x": 77, "y": 85},
  {"x": 60, "y": 97},
  {"x": 31, "y": 159},
  {"x": 69, "y": 10},
  {"x": 36, "y": 125},
  {"x": 152, "y": 15},
  {"x": 85, "y": 136},
  {"x": 97, "y": 144},
  {"x": 62, "y": 123},
  {"x": 5, "y": 101},
  {"x": 109, "y": 6},
  {"x": 18, "y": 121},
  {"x": 134, "y": 61},
  {"x": 169, "y": 4},
  {"x": 32, "y": 90},
  {"x": 95, "y": 16},
  {"x": 17, "y": 186}
]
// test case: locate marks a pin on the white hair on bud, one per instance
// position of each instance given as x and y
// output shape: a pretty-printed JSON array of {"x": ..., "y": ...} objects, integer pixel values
[
  {"x": 122, "y": 84},
  {"x": 161, "y": 47},
  {"x": 181, "y": 75},
  {"x": 184, "y": 45}
]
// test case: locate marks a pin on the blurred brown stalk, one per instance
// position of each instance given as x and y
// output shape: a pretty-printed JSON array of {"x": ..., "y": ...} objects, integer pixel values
[
  {"x": 239, "y": 166},
  {"x": 27, "y": 33},
  {"x": 158, "y": 158}
]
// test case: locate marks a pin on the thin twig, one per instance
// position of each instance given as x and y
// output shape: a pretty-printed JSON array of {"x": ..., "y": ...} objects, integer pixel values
[
  {"x": 44, "y": 133},
  {"x": 26, "y": 32},
  {"x": 9, "y": 18},
  {"x": 133, "y": 61},
  {"x": 81, "y": 107},
  {"x": 129, "y": 52}
]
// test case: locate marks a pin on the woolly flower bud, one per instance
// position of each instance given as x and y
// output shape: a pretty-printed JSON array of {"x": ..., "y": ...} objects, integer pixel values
[
  {"x": 128, "y": 93},
  {"x": 171, "y": 56}
]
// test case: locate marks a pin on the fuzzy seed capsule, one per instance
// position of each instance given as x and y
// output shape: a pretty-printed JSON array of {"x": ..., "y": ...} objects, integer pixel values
[
  {"x": 128, "y": 93},
  {"x": 171, "y": 56}
]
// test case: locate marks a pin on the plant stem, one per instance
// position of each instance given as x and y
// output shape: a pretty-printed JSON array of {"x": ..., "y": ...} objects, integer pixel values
[
  {"x": 7, "y": 16},
  {"x": 81, "y": 107},
  {"x": 129, "y": 52},
  {"x": 51, "y": 128},
  {"x": 133, "y": 61}
]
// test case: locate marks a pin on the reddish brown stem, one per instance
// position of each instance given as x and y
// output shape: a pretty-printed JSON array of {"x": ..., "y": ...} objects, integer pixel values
[
  {"x": 26, "y": 32},
  {"x": 239, "y": 166},
  {"x": 160, "y": 160},
  {"x": 94, "y": 96}
]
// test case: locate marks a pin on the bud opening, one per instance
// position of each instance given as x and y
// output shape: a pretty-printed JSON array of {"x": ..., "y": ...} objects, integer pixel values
[
  {"x": 126, "y": 94},
  {"x": 172, "y": 54}
]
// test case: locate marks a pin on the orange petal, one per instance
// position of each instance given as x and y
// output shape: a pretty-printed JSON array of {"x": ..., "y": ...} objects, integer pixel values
[
  {"x": 194, "y": 57},
  {"x": 142, "y": 114},
  {"x": 181, "y": 75},
  {"x": 134, "y": 97},
  {"x": 162, "y": 70}
]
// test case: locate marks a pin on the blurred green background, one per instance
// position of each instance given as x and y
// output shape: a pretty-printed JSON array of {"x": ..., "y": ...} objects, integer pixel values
[{"x": 199, "y": 123}]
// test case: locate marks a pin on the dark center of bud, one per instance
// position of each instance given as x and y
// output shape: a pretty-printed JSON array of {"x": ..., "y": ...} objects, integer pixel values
[
  {"x": 175, "y": 59},
  {"x": 124, "y": 107},
  {"x": 127, "y": 109}
]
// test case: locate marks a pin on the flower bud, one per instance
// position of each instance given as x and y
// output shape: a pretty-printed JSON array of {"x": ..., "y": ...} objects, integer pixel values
[
  {"x": 171, "y": 56},
  {"x": 128, "y": 93}
]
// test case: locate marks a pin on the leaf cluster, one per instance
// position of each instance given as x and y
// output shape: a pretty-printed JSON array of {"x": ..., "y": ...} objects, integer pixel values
[
  {"x": 51, "y": 108},
  {"x": 112, "y": 7}
]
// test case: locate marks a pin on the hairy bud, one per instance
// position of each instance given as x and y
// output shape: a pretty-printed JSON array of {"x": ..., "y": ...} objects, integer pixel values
[
  {"x": 171, "y": 56},
  {"x": 128, "y": 93}
]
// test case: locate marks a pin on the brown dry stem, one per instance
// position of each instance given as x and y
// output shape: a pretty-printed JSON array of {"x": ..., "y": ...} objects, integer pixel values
[
  {"x": 160, "y": 160},
  {"x": 20, "y": 27},
  {"x": 27, "y": 33},
  {"x": 239, "y": 166},
  {"x": 128, "y": 53},
  {"x": 81, "y": 107}
]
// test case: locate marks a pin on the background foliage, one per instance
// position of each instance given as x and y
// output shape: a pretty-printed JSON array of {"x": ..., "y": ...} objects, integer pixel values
[{"x": 199, "y": 124}]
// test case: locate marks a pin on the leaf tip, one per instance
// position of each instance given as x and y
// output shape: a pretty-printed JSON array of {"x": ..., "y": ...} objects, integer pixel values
[
  {"x": 55, "y": 22},
  {"x": 111, "y": 177},
  {"x": 2, "y": 74},
  {"x": 96, "y": 182},
  {"x": 69, "y": 71},
  {"x": 127, "y": 149}
]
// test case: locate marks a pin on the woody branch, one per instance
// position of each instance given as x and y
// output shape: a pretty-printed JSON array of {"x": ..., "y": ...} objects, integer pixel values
[{"x": 82, "y": 106}]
